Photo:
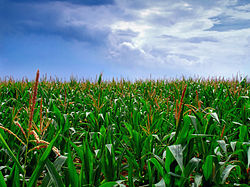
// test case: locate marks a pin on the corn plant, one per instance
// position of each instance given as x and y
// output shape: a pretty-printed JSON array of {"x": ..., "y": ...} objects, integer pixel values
[{"x": 189, "y": 132}]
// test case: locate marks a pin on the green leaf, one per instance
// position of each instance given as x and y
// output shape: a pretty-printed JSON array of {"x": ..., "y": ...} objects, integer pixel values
[
  {"x": 208, "y": 167},
  {"x": 54, "y": 175},
  {"x": 226, "y": 173},
  {"x": 182, "y": 136},
  {"x": 168, "y": 161},
  {"x": 109, "y": 146},
  {"x": 200, "y": 135},
  {"x": 197, "y": 180},
  {"x": 192, "y": 164},
  {"x": 11, "y": 154},
  {"x": 109, "y": 184},
  {"x": 176, "y": 151},
  {"x": 222, "y": 145},
  {"x": 41, "y": 163},
  {"x": 73, "y": 176},
  {"x": 233, "y": 145},
  {"x": 87, "y": 173},
  {"x": 59, "y": 117},
  {"x": 215, "y": 116},
  {"x": 248, "y": 157},
  {"x": 243, "y": 136},
  {"x": 16, "y": 179},
  {"x": 160, "y": 169},
  {"x": 150, "y": 177},
  {"x": 193, "y": 121},
  {"x": 161, "y": 183},
  {"x": 58, "y": 163},
  {"x": 77, "y": 149},
  {"x": 158, "y": 166},
  {"x": 66, "y": 125},
  {"x": 2, "y": 182},
  {"x": 130, "y": 172},
  {"x": 100, "y": 79}
]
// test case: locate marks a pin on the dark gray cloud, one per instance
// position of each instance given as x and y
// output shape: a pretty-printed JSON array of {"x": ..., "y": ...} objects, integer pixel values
[
  {"x": 191, "y": 39},
  {"x": 79, "y": 2},
  {"x": 202, "y": 39},
  {"x": 227, "y": 23},
  {"x": 48, "y": 19}
]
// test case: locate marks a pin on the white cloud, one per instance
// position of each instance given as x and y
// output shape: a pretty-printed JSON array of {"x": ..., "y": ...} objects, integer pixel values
[
  {"x": 159, "y": 35},
  {"x": 166, "y": 35},
  {"x": 243, "y": 7}
]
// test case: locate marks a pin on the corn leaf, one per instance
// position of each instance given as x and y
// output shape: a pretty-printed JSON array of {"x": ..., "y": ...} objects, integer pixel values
[
  {"x": 11, "y": 153},
  {"x": 54, "y": 175},
  {"x": 2, "y": 182},
  {"x": 41, "y": 163}
]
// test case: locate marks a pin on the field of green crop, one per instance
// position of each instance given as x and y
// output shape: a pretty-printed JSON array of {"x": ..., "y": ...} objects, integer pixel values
[{"x": 107, "y": 133}]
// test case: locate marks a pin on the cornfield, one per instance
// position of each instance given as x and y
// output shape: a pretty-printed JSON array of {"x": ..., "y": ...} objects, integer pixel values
[{"x": 121, "y": 133}]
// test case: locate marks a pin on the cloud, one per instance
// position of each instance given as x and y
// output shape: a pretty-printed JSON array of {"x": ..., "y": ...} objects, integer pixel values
[
  {"x": 187, "y": 36},
  {"x": 79, "y": 2},
  {"x": 70, "y": 21}
]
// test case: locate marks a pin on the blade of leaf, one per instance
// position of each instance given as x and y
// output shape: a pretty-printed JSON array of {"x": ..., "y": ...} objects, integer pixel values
[
  {"x": 150, "y": 177},
  {"x": 215, "y": 116},
  {"x": 198, "y": 180},
  {"x": 130, "y": 173},
  {"x": 248, "y": 157},
  {"x": 100, "y": 79},
  {"x": 223, "y": 146},
  {"x": 161, "y": 183},
  {"x": 176, "y": 151},
  {"x": 58, "y": 163},
  {"x": 226, "y": 172},
  {"x": 233, "y": 145},
  {"x": 182, "y": 136},
  {"x": 53, "y": 173},
  {"x": 16, "y": 180},
  {"x": 193, "y": 121},
  {"x": 72, "y": 170},
  {"x": 109, "y": 146},
  {"x": 160, "y": 169},
  {"x": 109, "y": 184},
  {"x": 11, "y": 153},
  {"x": 192, "y": 164},
  {"x": 77, "y": 149},
  {"x": 243, "y": 136},
  {"x": 208, "y": 167},
  {"x": 2, "y": 182},
  {"x": 41, "y": 163},
  {"x": 158, "y": 166}
]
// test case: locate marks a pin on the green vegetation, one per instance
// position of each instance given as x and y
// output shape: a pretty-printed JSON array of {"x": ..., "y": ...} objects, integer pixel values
[{"x": 146, "y": 133}]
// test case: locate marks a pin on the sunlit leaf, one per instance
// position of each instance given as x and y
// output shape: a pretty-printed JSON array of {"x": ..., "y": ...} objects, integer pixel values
[{"x": 176, "y": 151}]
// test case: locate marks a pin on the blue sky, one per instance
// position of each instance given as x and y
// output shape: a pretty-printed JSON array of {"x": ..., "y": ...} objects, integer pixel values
[{"x": 132, "y": 39}]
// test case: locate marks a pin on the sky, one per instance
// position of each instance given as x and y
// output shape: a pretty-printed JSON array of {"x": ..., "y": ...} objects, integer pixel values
[{"x": 131, "y": 39}]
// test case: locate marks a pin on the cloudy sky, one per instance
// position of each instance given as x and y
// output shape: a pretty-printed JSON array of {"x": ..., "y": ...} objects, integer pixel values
[{"x": 124, "y": 38}]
